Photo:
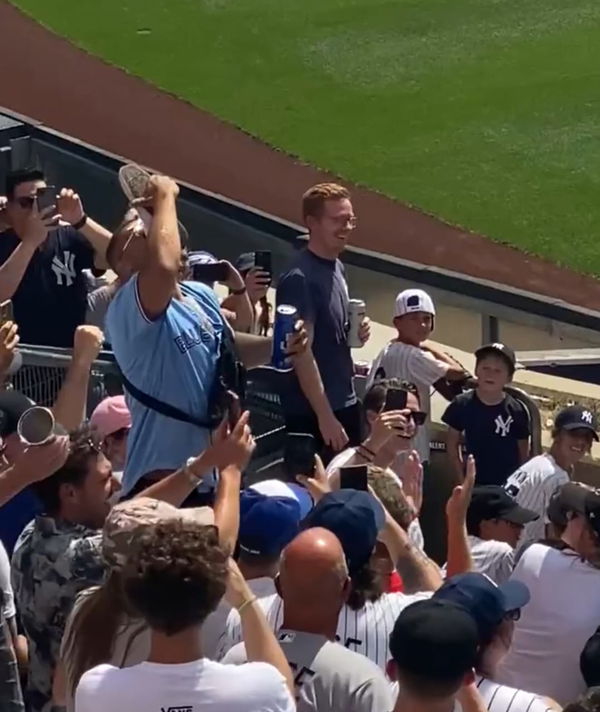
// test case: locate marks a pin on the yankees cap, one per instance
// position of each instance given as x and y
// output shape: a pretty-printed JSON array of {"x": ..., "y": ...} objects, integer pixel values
[
  {"x": 493, "y": 502},
  {"x": 498, "y": 349},
  {"x": 413, "y": 300},
  {"x": 577, "y": 417}
]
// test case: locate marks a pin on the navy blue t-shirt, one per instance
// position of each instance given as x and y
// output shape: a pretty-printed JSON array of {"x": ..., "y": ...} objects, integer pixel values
[
  {"x": 491, "y": 432},
  {"x": 317, "y": 288},
  {"x": 51, "y": 300}
]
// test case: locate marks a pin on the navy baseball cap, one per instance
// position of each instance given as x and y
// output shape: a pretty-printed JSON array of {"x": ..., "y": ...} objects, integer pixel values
[
  {"x": 267, "y": 523},
  {"x": 355, "y": 517},
  {"x": 577, "y": 417},
  {"x": 493, "y": 502},
  {"x": 435, "y": 638},
  {"x": 498, "y": 349},
  {"x": 483, "y": 599}
]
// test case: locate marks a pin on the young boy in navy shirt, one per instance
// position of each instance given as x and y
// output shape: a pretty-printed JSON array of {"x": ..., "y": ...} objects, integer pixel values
[{"x": 493, "y": 424}]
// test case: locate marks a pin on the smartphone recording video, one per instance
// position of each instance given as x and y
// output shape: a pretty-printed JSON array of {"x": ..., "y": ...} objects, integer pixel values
[
  {"x": 299, "y": 455},
  {"x": 46, "y": 198},
  {"x": 395, "y": 399},
  {"x": 354, "y": 477},
  {"x": 210, "y": 272},
  {"x": 262, "y": 260}
]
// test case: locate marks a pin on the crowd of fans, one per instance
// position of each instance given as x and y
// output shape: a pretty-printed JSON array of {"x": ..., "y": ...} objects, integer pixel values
[{"x": 141, "y": 569}]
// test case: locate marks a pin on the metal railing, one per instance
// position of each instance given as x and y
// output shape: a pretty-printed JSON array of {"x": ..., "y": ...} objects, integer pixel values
[{"x": 44, "y": 369}]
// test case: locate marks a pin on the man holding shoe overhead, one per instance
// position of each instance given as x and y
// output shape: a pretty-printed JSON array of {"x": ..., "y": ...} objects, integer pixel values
[{"x": 320, "y": 398}]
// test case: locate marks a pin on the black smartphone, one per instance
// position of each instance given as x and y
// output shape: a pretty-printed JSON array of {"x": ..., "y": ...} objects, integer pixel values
[
  {"x": 46, "y": 198},
  {"x": 354, "y": 477},
  {"x": 211, "y": 272},
  {"x": 262, "y": 259},
  {"x": 6, "y": 312},
  {"x": 234, "y": 409},
  {"x": 395, "y": 399},
  {"x": 299, "y": 455}
]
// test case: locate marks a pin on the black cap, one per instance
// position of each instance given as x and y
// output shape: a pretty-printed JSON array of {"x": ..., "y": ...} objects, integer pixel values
[
  {"x": 499, "y": 350},
  {"x": 577, "y": 417},
  {"x": 589, "y": 661},
  {"x": 435, "y": 639},
  {"x": 12, "y": 406},
  {"x": 579, "y": 498},
  {"x": 493, "y": 502}
]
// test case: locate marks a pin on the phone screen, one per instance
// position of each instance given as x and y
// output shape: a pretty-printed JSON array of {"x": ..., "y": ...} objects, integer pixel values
[
  {"x": 354, "y": 477},
  {"x": 395, "y": 399},
  {"x": 6, "y": 312},
  {"x": 262, "y": 259},
  {"x": 46, "y": 198},
  {"x": 299, "y": 455},
  {"x": 234, "y": 409},
  {"x": 211, "y": 272}
]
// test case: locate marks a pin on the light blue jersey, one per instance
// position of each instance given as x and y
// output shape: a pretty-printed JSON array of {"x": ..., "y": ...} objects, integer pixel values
[{"x": 172, "y": 358}]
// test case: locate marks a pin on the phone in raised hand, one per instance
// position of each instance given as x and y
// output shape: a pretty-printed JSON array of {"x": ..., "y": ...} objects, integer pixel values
[
  {"x": 299, "y": 455},
  {"x": 354, "y": 477},
  {"x": 6, "y": 312},
  {"x": 46, "y": 198}
]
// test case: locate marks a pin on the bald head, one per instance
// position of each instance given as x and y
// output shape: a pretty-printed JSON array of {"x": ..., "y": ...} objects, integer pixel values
[{"x": 313, "y": 567}]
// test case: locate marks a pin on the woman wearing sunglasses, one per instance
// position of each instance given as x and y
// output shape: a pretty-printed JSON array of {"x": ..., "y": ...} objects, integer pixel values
[{"x": 112, "y": 421}]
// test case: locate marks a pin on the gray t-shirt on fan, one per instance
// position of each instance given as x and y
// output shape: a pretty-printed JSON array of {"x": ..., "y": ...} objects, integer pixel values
[
  {"x": 327, "y": 675},
  {"x": 317, "y": 288}
]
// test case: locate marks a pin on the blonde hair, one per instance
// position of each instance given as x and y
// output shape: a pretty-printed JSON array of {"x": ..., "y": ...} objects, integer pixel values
[{"x": 314, "y": 198}]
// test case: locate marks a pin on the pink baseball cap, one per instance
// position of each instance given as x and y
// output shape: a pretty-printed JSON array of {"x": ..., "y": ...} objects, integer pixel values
[{"x": 110, "y": 415}]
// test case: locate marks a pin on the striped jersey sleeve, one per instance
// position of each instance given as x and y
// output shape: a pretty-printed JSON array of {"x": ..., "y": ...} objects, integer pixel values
[
  {"x": 495, "y": 559},
  {"x": 408, "y": 363},
  {"x": 501, "y": 698}
]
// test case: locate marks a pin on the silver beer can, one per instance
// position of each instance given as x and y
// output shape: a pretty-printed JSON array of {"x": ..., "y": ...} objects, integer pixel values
[{"x": 357, "y": 311}]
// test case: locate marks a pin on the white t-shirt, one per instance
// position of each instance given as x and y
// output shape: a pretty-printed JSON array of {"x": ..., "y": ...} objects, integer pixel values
[
  {"x": 187, "y": 687},
  {"x": 412, "y": 364},
  {"x": 532, "y": 485},
  {"x": 365, "y": 631},
  {"x": 8, "y": 599},
  {"x": 563, "y": 613},
  {"x": 501, "y": 698},
  {"x": 327, "y": 675}
]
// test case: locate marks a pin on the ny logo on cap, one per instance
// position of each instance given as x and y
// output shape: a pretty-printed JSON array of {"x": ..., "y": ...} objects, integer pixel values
[
  {"x": 587, "y": 416},
  {"x": 498, "y": 346}
]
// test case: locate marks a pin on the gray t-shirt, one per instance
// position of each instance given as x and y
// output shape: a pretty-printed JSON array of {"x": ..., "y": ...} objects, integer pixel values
[
  {"x": 317, "y": 288},
  {"x": 327, "y": 675}
]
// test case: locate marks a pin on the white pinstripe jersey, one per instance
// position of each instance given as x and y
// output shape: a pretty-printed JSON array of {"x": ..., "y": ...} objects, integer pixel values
[
  {"x": 501, "y": 698},
  {"x": 495, "y": 559},
  {"x": 410, "y": 363},
  {"x": 532, "y": 485},
  {"x": 366, "y": 631}
]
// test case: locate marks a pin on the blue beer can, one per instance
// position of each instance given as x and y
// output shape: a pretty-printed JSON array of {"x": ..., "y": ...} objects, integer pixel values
[{"x": 286, "y": 317}]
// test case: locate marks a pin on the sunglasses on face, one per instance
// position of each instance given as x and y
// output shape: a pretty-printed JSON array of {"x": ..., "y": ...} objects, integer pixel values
[
  {"x": 25, "y": 202},
  {"x": 418, "y": 417},
  {"x": 513, "y": 615}
]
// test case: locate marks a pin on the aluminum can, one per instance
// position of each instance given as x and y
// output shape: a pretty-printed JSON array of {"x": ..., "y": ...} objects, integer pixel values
[
  {"x": 286, "y": 317},
  {"x": 357, "y": 310}
]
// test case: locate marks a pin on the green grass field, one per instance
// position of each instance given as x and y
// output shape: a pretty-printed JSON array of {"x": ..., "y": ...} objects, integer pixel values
[{"x": 482, "y": 112}]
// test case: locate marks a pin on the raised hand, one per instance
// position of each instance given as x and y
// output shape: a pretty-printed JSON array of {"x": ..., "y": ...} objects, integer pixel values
[
  {"x": 69, "y": 206},
  {"x": 9, "y": 339},
  {"x": 458, "y": 503},
  {"x": 412, "y": 481},
  {"x": 317, "y": 484}
]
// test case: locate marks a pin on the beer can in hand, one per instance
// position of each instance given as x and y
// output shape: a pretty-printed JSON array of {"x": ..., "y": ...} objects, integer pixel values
[
  {"x": 286, "y": 317},
  {"x": 357, "y": 311}
]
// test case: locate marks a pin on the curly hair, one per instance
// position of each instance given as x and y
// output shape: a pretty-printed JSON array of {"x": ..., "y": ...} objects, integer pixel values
[
  {"x": 85, "y": 446},
  {"x": 367, "y": 585},
  {"x": 177, "y": 576}
]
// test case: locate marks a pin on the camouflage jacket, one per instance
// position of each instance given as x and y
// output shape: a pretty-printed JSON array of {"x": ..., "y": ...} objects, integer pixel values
[{"x": 52, "y": 562}]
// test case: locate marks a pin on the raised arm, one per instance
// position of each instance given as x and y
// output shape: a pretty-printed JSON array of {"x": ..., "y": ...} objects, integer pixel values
[
  {"x": 459, "y": 551},
  {"x": 157, "y": 280},
  {"x": 70, "y": 405},
  {"x": 71, "y": 210},
  {"x": 35, "y": 231}
]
